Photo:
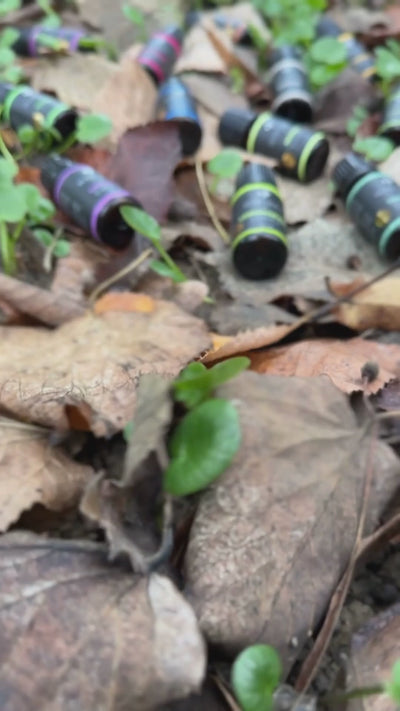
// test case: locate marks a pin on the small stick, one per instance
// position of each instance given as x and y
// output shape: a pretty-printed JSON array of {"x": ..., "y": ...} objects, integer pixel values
[
  {"x": 208, "y": 203},
  {"x": 115, "y": 277}
]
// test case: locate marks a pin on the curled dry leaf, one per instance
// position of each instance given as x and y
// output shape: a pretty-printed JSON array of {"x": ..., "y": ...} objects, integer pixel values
[
  {"x": 272, "y": 535},
  {"x": 378, "y": 306},
  {"x": 341, "y": 360},
  {"x": 34, "y": 472},
  {"x": 374, "y": 650},
  {"x": 228, "y": 346},
  {"x": 75, "y": 632},
  {"x": 93, "y": 363},
  {"x": 49, "y": 307}
]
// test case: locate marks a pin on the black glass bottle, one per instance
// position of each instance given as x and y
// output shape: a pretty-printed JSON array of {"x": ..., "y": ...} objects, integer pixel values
[
  {"x": 161, "y": 52},
  {"x": 31, "y": 41},
  {"x": 258, "y": 230},
  {"x": 89, "y": 199},
  {"x": 288, "y": 81},
  {"x": 300, "y": 152},
  {"x": 177, "y": 104},
  {"x": 22, "y": 105},
  {"x": 372, "y": 200}
]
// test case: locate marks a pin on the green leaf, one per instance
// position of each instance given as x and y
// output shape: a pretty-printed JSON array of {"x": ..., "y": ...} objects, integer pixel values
[
  {"x": 26, "y": 134},
  {"x": 196, "y": 382},
  {"x": 360, "y": 113},
  {"x": 93, "y": 128},
  {"x": 328, "y": 50},
  {"x": 133, "y": 15},
  {"x": 12, "y": 203},
  {"x": 255, "y": 675},
  {"x": 8, "y": 170},
  {"x": 62, "y": 248},
  {"x": 9, "y": 6},
  {"x": 43, "y": 236},
  {"x": 392, "y": 687},
  {"x": 7, "y": 56},
  {"x": 375, "y": 148},
  {"x": 322, "y": 74},
  {"x": 166, "y": 270},
  {"x": 8, "y": 37},
  {"x": 202, "y": 446},
  {"x": 387, "y": 64},
  {"x": 226, "y": 164},
  {"x": 12, "y": 74},
  {"x": 141, "y": 222}
]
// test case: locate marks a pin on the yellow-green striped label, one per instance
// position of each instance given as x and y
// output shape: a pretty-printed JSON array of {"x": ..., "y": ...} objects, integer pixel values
[
  {"x": 257, "y": 231},
  {"x": 306, "y": 152},
  {"x": 262, "y": 213},
  {"x": 255, "y": 130},
  {"x": 249, "y": 187}
]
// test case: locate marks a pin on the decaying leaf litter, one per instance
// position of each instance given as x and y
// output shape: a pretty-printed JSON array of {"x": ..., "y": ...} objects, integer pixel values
[{"x": 115, "y": 591}]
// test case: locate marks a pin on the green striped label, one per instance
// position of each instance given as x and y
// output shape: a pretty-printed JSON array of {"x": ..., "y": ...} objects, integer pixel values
[
  {"x": 262, "y": 213},
  {"x": 306, "y": 152},
  {"x": 255, "y": 130},
  {"x": 8, "y": 101},
  {"x": 269, "y": 187},
  {"x": 259, "y": 231},
  {"x": 360, "y": 184},
  {"x": 290, "y": 135}
]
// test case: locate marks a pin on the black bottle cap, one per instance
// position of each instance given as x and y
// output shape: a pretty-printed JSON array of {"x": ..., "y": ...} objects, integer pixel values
[
  {"x": 174, "y": 31},
  {"x": 326, "y": 27},
  {"x": 235, "y": 125},
  {"x": 286, "y": 51},
  {"x": 260, "y": 256},
  {"x": 350, "y": 169},
  {"x": 255, "y": 173}
]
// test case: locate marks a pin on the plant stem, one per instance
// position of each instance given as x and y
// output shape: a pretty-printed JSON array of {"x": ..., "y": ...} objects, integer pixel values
[
  {"x": 5, "y": 152},
  {"x": 7, "y": 250},
  {"x": 358, "y": 692},
  {"x": 168, "y": 260},
  {"x": 210, "y": 207},
  {"x": 18, "y": 229}
]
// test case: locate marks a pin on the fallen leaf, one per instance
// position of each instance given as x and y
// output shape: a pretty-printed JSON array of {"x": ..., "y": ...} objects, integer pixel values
[
  {"x": 128, "y": 97},
  {"x": 74, "y": 276},
  {"x": 233, "y": 55},
  {"x": 230, "y": 318},
  {"x": 199, "y": 54},
  {"x": 335, "y": 103},
  {"x": 34, "y": 472},
  {"x": 153, "y": 413},
  {"x": 340, "y": 360},
  {"x": 144, "y": 163},
  {"x": 125, "y": 301},
  {"x": 317, "y": 250},
  {"x": 50, "y": 307},
  {"x": 378, "y": 306},
  {"x": 124, "y": 91},
  {"x": 74, "y": 631},
  {"x": 94, "y": 363},
  {"x": 226, "y": 346},
  {"x": 212, "y": 94},
  {"x": 272, "y": 535},
  {"x": 374, "y": 650}
]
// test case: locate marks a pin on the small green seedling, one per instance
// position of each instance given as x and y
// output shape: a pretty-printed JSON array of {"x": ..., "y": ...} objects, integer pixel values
[
  {"x": 52, "y": 241},
  {"x": 224, "y": 166},
  {"x": 374, "y": 148},
  {"x": 90, "y": 129},
  {"x": 9, "y": 70},
  {"x": 51, "y": 19},
  {"x": 196, "y": 383},
  {"x": 291, "y": 21},
  {"x": 93, "y": 128},
  {"x": 146, "y": 225},
  {"x": 137, "y": 18},
  {"x": 358, "y": 117},
  {"x": 202, "y": 446},
  {"x": 325, "y": 59},
  {"x": 256, "y": 673},
  {"x": 392, "y": 687}
]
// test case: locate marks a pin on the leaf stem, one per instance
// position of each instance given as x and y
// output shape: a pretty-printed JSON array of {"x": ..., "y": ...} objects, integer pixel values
[
  {"x": 7, "y": 250},
  {"x": 168, "y": 260},
  {"x": 207, "y": 201}
]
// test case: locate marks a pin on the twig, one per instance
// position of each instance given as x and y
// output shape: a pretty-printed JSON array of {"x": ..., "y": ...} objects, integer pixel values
[
  {"x": 313, "y": 660},
  {"x": 221, "y": 686},
  {"x": 208, "y": 203},
  {"x": 123, "y": 272}
]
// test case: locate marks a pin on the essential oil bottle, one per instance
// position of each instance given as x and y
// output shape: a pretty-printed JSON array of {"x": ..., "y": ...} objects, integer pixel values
[
  {"x": 360, "y": 60},
  {"x": 258, "y": 230},
  {"x": 390, "y": 126},
  {"x": 372, "y": 200},
  {"x": 300, "y": 152},
  {"x": 38, "y": 39},
  {"x": 288, "y": 81},
  {"x": 22, "y": 105},
  {"x": 176, "y": 103},
  {"x": 161, "y": 52},
  {"x": 89, "y": 199}
]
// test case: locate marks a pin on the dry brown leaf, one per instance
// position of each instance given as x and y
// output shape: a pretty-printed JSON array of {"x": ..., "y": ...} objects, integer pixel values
[
  {"x": 232, "y": 54},
  {"x": 318, "y": 250},
  {"x": 94, "y": 363},
  {"x": 246, "y": 341},
  {"x": 122, "y": 91},
  {"x": 272, "y": 535},
  {"x": 375, "y": 307},
  {"x": 74, "y": 275},
  {"x": 340, "y": 360},
  {"x": 199, "y": 54},
  {"x": 76, "y": 634},
  {"x": 34, "y": 472},
  {"x": 50, "y": 307},
  {"x": 125, "y": 301},
  {"x": 374, "y": 650},
  {"x": 211, "y": 93}
]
